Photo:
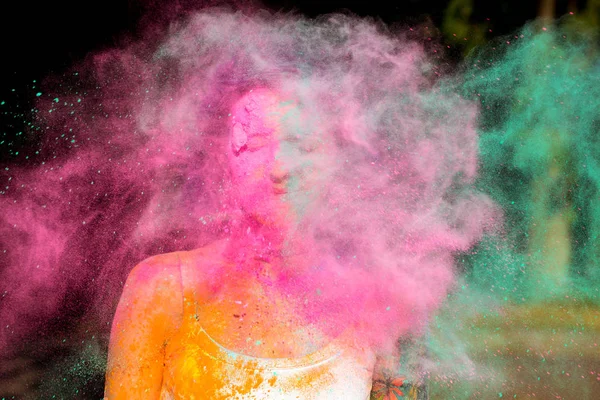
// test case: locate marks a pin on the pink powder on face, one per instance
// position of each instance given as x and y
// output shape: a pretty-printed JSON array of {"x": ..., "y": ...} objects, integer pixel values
[
  {"x": 254, "y": 146},
  {"x": 178, "y": 140}
]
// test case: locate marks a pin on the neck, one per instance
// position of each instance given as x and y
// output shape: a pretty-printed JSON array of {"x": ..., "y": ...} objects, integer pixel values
[{"x": 255, "y": 243}]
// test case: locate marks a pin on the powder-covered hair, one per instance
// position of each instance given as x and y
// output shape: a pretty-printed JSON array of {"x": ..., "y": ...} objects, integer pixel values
[{"x": 134, "y": 164}]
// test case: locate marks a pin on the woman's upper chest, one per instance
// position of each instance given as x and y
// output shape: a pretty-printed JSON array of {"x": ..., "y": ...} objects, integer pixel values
[
  {"x": 252, "y": 319},
  {"x": 197, "y": 363},
  {"x": 245, "y": 311}
]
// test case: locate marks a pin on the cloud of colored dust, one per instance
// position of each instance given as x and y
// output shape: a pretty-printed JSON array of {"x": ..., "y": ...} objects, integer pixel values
[
  {"x": 135, "y": 161},
  {"x": 522, "y": 321}
]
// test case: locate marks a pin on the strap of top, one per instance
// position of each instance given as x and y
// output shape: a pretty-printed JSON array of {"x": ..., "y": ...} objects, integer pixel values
[
  {"x": 194, "y": 266},
  {"x": 189, "y": 298},
  {"x": 191, "y": 281}
]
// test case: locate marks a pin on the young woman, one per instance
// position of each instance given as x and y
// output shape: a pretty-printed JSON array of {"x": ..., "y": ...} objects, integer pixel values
[
  {"x": 345, "y": 195},
  {"x": 182, "y": 333}
]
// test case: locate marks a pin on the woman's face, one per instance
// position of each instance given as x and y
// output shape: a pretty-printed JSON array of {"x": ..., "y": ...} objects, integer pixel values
[{"x": 276, "y": 157}]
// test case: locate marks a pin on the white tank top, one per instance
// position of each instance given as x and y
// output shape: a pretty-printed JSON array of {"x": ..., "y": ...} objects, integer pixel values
[
  {"x": 332, "y": 373},
  {"x": 197, "y": 367}
]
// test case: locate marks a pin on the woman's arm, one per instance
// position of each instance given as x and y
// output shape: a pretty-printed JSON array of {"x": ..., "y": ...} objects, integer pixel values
[
  {"x": 149, "y": 311},
  {"x": 387, "y": 383}
]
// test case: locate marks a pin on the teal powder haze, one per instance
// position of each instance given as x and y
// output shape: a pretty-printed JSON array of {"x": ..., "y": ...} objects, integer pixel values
[
  {"x": 523, "y": 320},
  {"x": 539, "y": 122}
]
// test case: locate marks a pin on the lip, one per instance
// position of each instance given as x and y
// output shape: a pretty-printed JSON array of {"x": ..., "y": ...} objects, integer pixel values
[{"x": 279, "y": 189}]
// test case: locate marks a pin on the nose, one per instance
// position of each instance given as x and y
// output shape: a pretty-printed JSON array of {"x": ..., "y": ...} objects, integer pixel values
[{"x": 279, "y": 174}]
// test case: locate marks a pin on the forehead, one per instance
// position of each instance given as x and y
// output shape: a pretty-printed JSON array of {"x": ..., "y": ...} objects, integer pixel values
[{"x": 257, "y": 112}]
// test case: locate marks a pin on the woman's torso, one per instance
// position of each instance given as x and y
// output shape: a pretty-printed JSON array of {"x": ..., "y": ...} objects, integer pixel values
[{"x": 200, "y": 365}]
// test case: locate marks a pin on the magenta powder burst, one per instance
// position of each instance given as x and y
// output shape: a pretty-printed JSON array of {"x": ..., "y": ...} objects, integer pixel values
[{"x": 136, "y": 150}]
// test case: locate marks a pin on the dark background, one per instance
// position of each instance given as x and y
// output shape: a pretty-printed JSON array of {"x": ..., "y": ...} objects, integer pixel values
[{"x": 41, "y": 37}]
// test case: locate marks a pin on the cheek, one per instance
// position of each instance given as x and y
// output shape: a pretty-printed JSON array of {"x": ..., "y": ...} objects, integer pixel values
[
  {"x": 250, "y": 175},
  {"x": 315, "y": 170},
  {"x": 247, "y": 166},
  {"x": 258, "y": 173}
]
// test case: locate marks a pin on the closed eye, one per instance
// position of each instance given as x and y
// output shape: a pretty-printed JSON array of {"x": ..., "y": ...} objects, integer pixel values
[
  {"x": 309, "y": 146},
  {"x": 303, "y": 143},
  {"x": 292, "y": 139},
  {"x": 256, "y": 143}
]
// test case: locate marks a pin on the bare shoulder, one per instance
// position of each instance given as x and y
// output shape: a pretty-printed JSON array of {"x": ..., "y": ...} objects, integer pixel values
[
  {"x": 162, "y": 274},
  {"x": 153, "y": 288},
  {"x": 149, "y": 313},
  {"x": 160, "y": 271},
  {"x": 201, "y": 266},
  {"x": 205, "y": 254}
]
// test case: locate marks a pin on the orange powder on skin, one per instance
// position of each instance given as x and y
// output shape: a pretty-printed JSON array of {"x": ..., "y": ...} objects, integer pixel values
[
  {"x": 201, "y": 367},
  {"x": 197, "y": 366},
  {"x": 193, "y": 366}
]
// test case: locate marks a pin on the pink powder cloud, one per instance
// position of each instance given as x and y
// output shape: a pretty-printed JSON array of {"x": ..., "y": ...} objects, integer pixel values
[{"x": 143, "y": 169}]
